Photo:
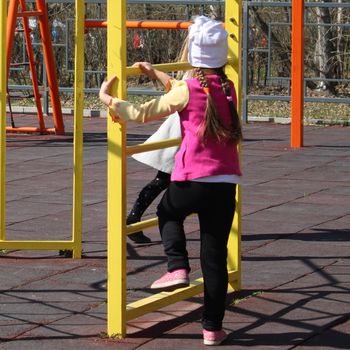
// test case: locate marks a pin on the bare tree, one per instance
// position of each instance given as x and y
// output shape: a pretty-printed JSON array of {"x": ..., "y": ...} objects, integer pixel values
[{"x": 326, "y": 48}]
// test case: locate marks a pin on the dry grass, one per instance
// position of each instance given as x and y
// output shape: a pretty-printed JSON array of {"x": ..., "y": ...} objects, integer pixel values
[{"x": 320, "y": 113}]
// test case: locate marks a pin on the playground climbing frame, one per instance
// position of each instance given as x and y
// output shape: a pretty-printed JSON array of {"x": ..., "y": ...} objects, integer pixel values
[
  {"x": 118, "y": 310},
  {"x": 75, "y": 244}
]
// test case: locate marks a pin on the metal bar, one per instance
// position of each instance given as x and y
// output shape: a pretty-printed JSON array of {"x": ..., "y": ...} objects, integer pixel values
[
  {"x": 164, "y": 67},
  {"x": 233, "y": 25},
  {"x": 116, "y": 169},
  {"x": 258, "y": 50},
  {"x": 3, "y": 91},
  {"x": 176, "y": 66},
  {"x": 141, "y": 225},
  {"x": 10, "y": 29},
  {"x": 160, "y": 300},
  {"x": 77, "y": 213},
  {"x": 31, "y": 129},
  {"x": 245, "y": 48},
  {"x": 330, "y": 5},
  {"x": 297, "y": 96},
  {"x": 135, "y": 91},
  {"x": 147, "y": 24},
  {"x": 67, "y": 42},
  {"x": 306, "y": 99},
  {"x": 50, "y": 67},
  {"x": 150, "y": 146},
  {"x": 29, "y": 13},
  {"x": 327, "y": 100},
  {"x": 311, "y": 24},
  {"x": 289, "y": 4},
  {"x": 36, "y": 245},
  {"x": 268, "y": 98},
  {"x": 269, "y": 53},
  {"x": 32, "y": 67},
  {"x": 328, "y": 79},
  {"x": 19, "y": 64},
  {"x": 45, "y": 85}
]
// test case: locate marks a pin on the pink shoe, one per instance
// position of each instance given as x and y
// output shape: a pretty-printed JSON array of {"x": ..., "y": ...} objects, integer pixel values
[
  {"x": 172, "y": 280},
  {"x": 213, "y": 337}
]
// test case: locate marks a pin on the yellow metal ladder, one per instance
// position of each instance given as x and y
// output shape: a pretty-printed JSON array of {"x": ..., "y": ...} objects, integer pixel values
[
  {"x": 118, "y": 310},
  {"x": 75, "y": 243}
]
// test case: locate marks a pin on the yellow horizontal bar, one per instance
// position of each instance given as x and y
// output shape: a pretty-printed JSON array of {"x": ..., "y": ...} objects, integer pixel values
[
  {"x": 163, "y": 299},
  {"x": 37, "y": 245},
  {"x": 168, "y": 67},
  {"x": 233, "y": 275},
  {"x": 151, "y": 146},
  {"x": 164, "y": 67},
  {"x": 138, "y": 226}
]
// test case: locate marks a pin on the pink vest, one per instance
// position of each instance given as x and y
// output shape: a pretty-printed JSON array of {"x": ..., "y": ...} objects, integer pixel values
[{"x": 195, "y": 159}]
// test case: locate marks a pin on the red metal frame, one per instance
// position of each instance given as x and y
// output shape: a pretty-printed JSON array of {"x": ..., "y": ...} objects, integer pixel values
[
  {"x": 142, "y": 24},
  {"x": 49, "y": 60}
]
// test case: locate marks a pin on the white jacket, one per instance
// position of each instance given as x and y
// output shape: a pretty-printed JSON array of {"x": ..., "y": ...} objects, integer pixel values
[{"x": 162, "y": 159}]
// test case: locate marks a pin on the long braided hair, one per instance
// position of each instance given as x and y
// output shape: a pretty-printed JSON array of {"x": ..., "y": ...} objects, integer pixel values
[{"x": 212, "y": 125}]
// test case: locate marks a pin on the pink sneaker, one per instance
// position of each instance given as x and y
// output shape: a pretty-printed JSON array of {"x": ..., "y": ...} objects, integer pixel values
[
  {"x": 213, "y": 337},
  {"x": 172, "y": 280}
]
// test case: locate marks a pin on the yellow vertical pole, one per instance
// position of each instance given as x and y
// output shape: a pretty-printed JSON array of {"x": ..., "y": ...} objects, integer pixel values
[
  {"x": 78, "y": 129},
  {"x": 233, "y": 10},
  {"x": 116, "y": 65},
  {"x": 3, "y": 83}
]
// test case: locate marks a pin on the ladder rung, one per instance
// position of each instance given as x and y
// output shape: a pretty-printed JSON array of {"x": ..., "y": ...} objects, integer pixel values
[
  {"x": 17, "y": 97},
  {"x": 29, "y": 14},
  {"x": 21, "y": 30},
  {"x": 19, "y": 64}
]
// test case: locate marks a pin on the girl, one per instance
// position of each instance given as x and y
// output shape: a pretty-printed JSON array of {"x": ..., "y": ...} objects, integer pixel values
[
  {"x": 162, "y": 160},
  {"x": 206, "y": 169}
]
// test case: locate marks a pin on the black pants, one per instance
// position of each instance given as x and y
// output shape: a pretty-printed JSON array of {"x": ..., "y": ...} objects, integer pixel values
[{"x": 215, "y": 205}]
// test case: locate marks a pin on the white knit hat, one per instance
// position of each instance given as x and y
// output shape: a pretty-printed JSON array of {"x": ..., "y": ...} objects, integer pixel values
[{"x": 207, "y": 43}]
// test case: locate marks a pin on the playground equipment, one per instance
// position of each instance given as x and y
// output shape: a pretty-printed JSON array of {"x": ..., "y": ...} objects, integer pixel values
[
  {"x": 75, "y": 244},
  {"x": 2, "y": 117},
  {"x": 297, "y": 95},
  {"x": 118, "y": 311},
  {"x": 41, "y": 14}
]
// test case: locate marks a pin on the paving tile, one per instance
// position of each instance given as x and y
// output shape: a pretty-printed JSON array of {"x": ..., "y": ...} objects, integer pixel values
[{"x": 295, "y": 234}]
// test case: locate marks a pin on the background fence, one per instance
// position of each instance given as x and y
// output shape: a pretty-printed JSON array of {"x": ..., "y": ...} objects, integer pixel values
[{"x": 266, "y": 49}]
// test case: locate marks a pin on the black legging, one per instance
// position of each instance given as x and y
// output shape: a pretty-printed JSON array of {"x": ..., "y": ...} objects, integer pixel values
[
  {"x": 147, "y": 195},
  {"x": 215, "y": 205}
]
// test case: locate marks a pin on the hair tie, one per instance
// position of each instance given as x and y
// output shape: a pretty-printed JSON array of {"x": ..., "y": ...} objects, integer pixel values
[
  {"x": 206, "y": 90},
  {"x": 229, "y": 98}
]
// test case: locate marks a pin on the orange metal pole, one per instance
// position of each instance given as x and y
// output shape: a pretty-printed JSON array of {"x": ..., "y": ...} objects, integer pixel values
[
  {"x": 142, "y": 24},
  {"x": 30, "y": 129},
  {"x": 297, "y": 94},
  {"x": 34, "y": 76},
  {"x": 50, "y": 67},
  {"x": 28, "y": 13},
  {"x": 10, "y": 30}
]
